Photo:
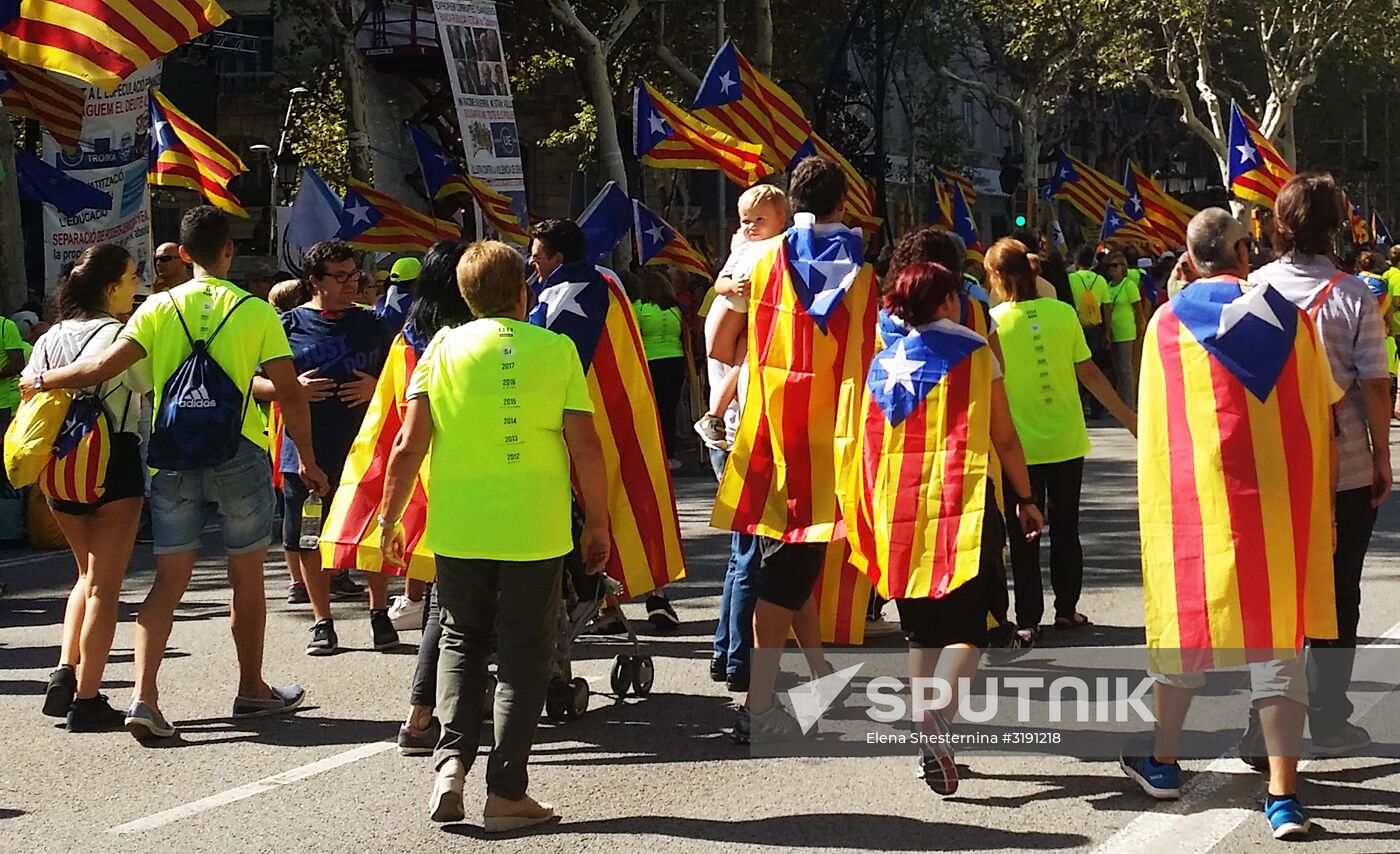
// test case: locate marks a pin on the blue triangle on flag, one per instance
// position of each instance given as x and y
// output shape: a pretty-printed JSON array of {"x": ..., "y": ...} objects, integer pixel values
[
  {"x": 905, "y": 372},
  {"x": 1251, "y": 333}
]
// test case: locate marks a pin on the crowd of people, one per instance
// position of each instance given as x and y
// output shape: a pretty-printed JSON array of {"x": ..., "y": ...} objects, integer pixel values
[{"x": 449, "y": 376}]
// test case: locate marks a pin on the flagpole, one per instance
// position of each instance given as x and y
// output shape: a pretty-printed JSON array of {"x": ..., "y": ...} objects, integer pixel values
[{"x": 719, "y": 175}]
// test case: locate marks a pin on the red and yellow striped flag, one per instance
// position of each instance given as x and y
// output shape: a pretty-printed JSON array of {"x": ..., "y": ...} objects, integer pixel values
[
  {"x": 350, "y": 538},
  {"x": 39, "y": 96},
  {"x": 667, "y": 137},
  {"x": 917, "y": 495},
  {"x": 102, "y": 43},
  {"x": 811, "y": 335},
  {"x": 1168, "y": 216},
  {"x": 843, "y": 594},
  {"x": 1257, "y": 169},
  {"x": 594, "y": 312},
  {"x": 1233, "y": 477},
  {"x": 1089, "y": 190},
  {"x": 397, "y": 227},
  {"x": 496, "y": 210},
  {"x": 186, "y": 155}
]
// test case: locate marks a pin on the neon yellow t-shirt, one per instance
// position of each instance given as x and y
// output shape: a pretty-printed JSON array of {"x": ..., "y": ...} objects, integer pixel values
[
  {"x": 10, "y": 339},
  {"x": 499, "y": 474},
  {"x": 1082, "y": 280},
  {"x": 1123, "y": 296},
  {"x": 1041, "y": 342},
  {"x": 251, "y": 338},
  {"x": 1392, "y": 282},
  {"x": 660, "y": 329}
]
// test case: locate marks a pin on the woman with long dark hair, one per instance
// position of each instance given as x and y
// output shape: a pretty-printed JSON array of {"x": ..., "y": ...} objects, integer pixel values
[{"x": 102, "y": 533}]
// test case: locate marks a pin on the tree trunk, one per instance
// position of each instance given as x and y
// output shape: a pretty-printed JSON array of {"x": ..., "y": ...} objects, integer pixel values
[
  {"x": 355, "y": 83},
  {"x": 1030, "y": 159},
  {"x": 12, "y": 284},
  {"x": 597, "y": 87},
  {"x": 763, "y": 36}
]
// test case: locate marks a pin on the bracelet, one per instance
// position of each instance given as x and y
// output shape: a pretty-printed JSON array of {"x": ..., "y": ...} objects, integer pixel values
[
  {"x": 1025, "y": 501},
  {"x": 387, "y": 523},
  {"x": 39, "y": 381}
]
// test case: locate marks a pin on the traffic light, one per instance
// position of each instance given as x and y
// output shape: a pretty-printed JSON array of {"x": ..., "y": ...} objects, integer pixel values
[{"x": 1020, "y": 220}]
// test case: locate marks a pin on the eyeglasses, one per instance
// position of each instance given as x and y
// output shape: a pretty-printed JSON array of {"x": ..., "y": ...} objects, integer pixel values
[
  {"x": 161, "y": 259},
  {"x": 340, "y": 278}
]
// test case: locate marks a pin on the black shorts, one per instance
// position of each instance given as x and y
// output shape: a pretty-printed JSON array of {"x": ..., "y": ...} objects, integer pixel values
[
  {"x": 788, "y": 572},
  {"x": 126, "y": 477},
  {"x": 959, "y": 617},
  {"x": 294, "y": 494}
]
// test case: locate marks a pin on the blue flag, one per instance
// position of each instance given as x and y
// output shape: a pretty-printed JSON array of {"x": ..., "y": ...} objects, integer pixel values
[
  {"x": 573, "y": 302},
  {"x": 40, "y": 182},
  {"x": 605, "y": 221},
  {"x": 824, "y": 260},
  {"x": 315, "y": 217}
]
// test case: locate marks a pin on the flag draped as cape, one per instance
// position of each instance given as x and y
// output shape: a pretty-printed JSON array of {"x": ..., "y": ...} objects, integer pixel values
[
  {"x": 917, "y": 495},
  {"x": 578, "y": 301},
  {"x": 811, "y": 335},
  {"x": 1233, "y": 478},
  {"x": 350, "y": 537}
]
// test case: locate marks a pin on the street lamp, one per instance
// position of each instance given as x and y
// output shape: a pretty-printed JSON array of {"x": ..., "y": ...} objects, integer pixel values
[{"x": 284, "y": 164}]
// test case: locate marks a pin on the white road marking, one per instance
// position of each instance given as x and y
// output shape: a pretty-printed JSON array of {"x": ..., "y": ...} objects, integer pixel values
[
  {"x": 248, "y": 790},
  {"x": 1187, "y": 819},
  {"x": 267, "y": 784}
]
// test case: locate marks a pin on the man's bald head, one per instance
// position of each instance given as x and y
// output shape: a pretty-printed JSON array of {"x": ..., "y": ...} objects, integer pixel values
[
  {"x": 1217, "y": 244},
  {"x": 170, "y": 268}
]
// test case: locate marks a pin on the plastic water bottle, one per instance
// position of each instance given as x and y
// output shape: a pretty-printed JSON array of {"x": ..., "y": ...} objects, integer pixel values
[{"x": 310, "y": 523}]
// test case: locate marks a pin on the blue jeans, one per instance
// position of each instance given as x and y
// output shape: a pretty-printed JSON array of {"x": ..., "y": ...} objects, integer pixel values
[{"x": 734, "y": 630}]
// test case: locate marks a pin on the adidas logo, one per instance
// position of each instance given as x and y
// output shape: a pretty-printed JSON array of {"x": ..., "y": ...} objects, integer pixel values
[{"x": 197, "y": 399}]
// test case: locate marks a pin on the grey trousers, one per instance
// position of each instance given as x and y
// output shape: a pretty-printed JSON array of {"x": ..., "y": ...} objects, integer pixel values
[
  {"x": 1123, "y": 372},
  {"x": 511, "y": 608}
]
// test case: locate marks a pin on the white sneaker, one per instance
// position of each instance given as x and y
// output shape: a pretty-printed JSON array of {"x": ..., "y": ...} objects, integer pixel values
[
  {"x": 445, "y": 803},
  {"x": 406, "y": 614}
]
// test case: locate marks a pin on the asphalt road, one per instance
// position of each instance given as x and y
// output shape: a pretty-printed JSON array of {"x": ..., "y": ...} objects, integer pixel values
[{"x": 656, "y": 774}]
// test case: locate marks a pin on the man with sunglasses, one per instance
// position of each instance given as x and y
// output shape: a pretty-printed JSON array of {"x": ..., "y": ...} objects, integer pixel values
[{"x": 171, "y": 269}]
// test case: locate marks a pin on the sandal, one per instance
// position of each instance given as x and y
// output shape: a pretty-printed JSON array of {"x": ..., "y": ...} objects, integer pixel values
[{"x": 1071, "y": 621}]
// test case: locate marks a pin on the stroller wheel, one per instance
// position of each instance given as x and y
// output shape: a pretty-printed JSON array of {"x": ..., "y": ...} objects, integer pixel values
[
  {"x": 579, "y": 687},
  {"x": 620, "y": 679},
  {"x": 643, "y": 675},
  {"x": 488, "y": 703},
  {"x": 558, "y": 700}
]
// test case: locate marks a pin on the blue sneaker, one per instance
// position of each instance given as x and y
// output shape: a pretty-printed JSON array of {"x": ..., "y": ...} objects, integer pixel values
[
  {"x": 1287, "y": 817},
  {"x": 1162, "y": 782},
  {"x": 146, "y": 722}
]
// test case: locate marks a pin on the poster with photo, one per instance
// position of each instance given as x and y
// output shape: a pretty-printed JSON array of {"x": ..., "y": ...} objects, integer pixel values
[
  {"x": 111, "y": 156},
  {"x": 470, "y": 35}
]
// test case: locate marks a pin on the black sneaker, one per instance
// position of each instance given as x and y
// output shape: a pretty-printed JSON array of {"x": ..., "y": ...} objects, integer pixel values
[
  {"x": 718, "y": 669},
  {"x": 297, "y": 595},
  {"x": 737, "y": 682},
  {"x": 95, "y": 715},
  {"x": 344, "y": 587},
  {"x": 58, "y": 697},
  {"x": 323, "y": 639},
  {"x": 385, "y": 635},
  {"x": 662, "y": 616}
]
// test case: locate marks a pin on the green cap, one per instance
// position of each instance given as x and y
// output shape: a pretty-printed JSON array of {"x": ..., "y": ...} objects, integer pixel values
[{"x": 405, "y": 270}]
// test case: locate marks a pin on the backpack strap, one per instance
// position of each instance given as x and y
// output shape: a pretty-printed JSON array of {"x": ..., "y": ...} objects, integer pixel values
[{"x": 1322, "y": 295}]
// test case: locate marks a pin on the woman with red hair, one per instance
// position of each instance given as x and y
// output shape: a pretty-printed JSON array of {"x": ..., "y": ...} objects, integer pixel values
[{"x": 917, "y": 493}]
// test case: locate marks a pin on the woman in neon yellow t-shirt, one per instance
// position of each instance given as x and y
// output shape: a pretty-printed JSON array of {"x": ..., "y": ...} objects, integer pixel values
[
  {"x": 1047, "y": 358},
  {"x": 663, "y": 339},
  {"x": 1125, "y": 317}
]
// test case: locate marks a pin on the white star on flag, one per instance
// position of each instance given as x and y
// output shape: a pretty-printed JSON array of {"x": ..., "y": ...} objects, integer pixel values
[
  {"x": 1133, "y": 205},
  {"x": 725, "y": 83},
  {"x": 1112, "y": 221},
  {"x": 899, "y": 369},
  {"x": 446, "y": 161},
  {"x": 656, "y": 233},
  {"x": 658, "y": 125},
  {"x": 394, "y": 299},
  {"x": 1247, "y": 152},
  {"x": 971, "y": 222},
  {"x": 1066, "y": 173},
  {"x": 160, "y": 127},
  {"x": 357, "y": 214},
  {"x": 1252, "y": 302},
  {"x": 561, "y": 298},
  {"x": 835, "y": 271}
]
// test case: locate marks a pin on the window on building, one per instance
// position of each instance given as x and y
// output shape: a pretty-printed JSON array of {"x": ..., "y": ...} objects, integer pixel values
[{"x": 969, "y": 118}]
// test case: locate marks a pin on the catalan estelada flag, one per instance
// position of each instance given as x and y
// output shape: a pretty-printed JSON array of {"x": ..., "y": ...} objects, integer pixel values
[
  {"x": 1234, "y": 486},
  {"x": 101, "y": 43},
  {"x": 843, "y": 594},
  {"x": 1168, "y": 216},
  {"x": 350, "y": 537},
  {"x": 377, "y": 221},
  {"x": 497, "y": 211},
  {"x": 443, "y": 174},
  {"x": 811, "y": 335},
  {"x": 746, "y": 104},
  {"x": 667, "y": 137},
  {"x": 945, "y": 180},
  {"x": 918, "y": 494},
  {"x": 1083, "y": 186},
  {"x": 578, "y": 301},
  {"x": 30, "y": 93},
  {"x": 965, "y": 225},
  {"x": 1257, "y": 170},
  {"x": 78, "y": 469},
  {"x": 1118, "y": 229},
  {"x": 1360, "y": 234},
  {"x": 183, "y": 154},
  {"x": 658, "y": 244},
  {"x": 1379, "y": 232}
]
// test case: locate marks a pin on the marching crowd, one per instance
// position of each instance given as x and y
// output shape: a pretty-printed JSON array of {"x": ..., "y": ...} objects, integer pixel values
[{"x": 924, "y": 412}]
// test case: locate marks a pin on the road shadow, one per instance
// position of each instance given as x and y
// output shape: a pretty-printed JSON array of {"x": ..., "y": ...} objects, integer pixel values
[
  {"x": 297, "y": 729},
  {"x": 812, "y": 830}
]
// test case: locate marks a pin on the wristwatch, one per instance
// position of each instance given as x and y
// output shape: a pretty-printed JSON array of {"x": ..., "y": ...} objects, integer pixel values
[
  {"x": 386, "y": 523},
  {"x": 39, "y": 381},
  {"x": 1025, "y": 500}
]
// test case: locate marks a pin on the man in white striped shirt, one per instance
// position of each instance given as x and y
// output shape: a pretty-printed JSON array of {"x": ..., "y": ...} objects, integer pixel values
[{"x": 1307, "y": 217}]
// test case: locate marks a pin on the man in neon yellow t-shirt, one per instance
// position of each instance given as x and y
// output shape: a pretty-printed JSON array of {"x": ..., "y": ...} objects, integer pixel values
[
  {"x": 506, "y": 409},
  {"x": 239, "y": 489}
]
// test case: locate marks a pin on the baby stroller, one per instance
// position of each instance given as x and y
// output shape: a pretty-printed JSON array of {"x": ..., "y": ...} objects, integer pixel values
[{"x": 585, "y": 595}]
